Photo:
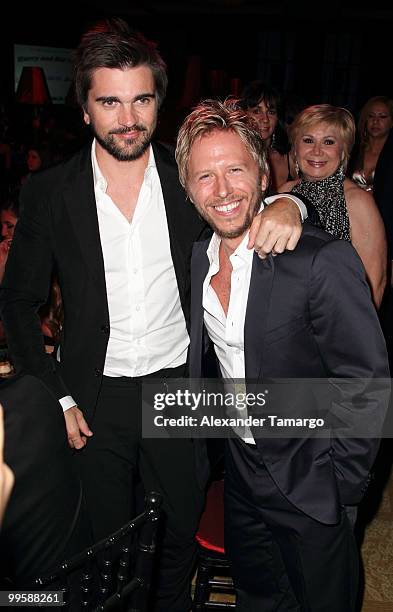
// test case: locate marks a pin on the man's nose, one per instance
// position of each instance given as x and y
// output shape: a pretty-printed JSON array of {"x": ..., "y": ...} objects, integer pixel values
[
  {"x": 223, "y": 186},
  {"x": 127, "y": 116}
]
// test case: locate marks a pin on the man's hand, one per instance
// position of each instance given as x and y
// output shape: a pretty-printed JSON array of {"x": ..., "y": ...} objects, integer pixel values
[
  {"x": 276, "y": 229},
  {"x": 77, "y": 429}
]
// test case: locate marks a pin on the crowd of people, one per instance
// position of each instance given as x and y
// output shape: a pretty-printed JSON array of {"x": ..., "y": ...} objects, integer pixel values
[{"x": 102, "y": 291}]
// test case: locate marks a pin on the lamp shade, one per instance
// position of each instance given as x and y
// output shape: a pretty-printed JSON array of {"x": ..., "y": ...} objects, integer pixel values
[{"x": 32, "y": 87}]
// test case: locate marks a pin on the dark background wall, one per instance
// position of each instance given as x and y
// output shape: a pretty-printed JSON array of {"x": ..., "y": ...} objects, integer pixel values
[{"x": 338, "y": 52}]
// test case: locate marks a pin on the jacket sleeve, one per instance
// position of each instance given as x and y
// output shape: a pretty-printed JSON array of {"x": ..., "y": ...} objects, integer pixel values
[
  {"x": 352, "y": 347},
  {"x": 26, "y": 286}
]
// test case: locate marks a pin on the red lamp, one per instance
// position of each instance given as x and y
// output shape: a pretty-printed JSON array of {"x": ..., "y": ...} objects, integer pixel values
[{"x": 32, "y": 87}]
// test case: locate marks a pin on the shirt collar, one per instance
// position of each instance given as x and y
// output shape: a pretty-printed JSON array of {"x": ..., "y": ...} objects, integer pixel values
[{"x": 99, "y": 179}]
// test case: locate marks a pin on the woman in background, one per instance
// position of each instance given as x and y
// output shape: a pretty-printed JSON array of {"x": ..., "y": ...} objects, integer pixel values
[
  {"x": 375, "y": 123},
  {"x": 37, "y": 159},
  {"x": 265, "y": 104},
  {"x": 9, "y": 215},
  {"x": 322, "y": 137},
  {"x": 51, "y": 314}
]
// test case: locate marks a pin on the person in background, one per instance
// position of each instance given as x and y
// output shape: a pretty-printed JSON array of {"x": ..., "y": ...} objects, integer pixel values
[
  {"x": 375, "y": 123},
  {"x": 38, "y": 158},
  {"x": 383, "y": 194},
  {"x": 51, "y": 313},
  {"x": 265, "y": 104},
  {"x": 322, "y": 137},
  {"x": 9, "y": 215}
]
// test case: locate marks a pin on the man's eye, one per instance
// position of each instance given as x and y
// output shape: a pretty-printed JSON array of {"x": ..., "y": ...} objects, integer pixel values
[
  {"x": 235, "y": 170},
  {"x": 203, "y": 177},
  {"x": 144, "y": 101},
  {"x": 272, "y": 112},
  {"x": 109, "y": 102}
]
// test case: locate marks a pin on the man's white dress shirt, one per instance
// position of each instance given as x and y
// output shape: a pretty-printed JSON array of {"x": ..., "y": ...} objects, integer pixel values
[
  {"x": 147, "y": 325},
  {"x": 227, "y": 331}
]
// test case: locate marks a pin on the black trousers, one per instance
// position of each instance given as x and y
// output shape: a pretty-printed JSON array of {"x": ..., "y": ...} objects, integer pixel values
[
  {"x": 283, "y": 560},
  {"x": 111, "y": 462}
]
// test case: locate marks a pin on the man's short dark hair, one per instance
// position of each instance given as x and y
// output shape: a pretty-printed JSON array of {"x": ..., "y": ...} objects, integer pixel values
[{"x": 111, "y": 43}]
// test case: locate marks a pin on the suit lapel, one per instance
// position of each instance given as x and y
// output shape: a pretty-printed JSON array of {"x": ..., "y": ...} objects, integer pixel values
[
  {"x": 81, "y": 205},
  {"x": 257, "y": 312}
]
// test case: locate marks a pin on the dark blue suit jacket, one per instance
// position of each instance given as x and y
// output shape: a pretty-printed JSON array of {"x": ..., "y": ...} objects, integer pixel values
[{"x": 310, "y": 316}]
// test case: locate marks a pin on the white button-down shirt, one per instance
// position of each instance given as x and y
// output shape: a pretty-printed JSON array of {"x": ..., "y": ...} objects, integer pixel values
[
  {"x": 147, "y": 326},
  {"x": 227, "y": 331}
]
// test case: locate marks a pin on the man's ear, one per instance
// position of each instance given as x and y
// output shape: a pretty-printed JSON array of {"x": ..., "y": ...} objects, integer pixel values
[
  {"x": 86, "y": 116},
  {"x": 188, "y": 195},
  {"x": 264, "y": 182}
]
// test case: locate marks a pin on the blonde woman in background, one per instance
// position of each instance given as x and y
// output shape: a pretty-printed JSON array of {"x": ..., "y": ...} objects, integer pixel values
[{"x": 322, "y": 137}]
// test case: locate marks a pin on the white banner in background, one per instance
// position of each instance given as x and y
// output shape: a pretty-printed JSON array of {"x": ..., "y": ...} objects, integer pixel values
[{"x": 56, "y": 63}]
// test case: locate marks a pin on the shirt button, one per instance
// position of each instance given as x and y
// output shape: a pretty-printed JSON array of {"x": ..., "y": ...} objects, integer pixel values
[
  {"x": 138, "y": 308},
  {"x": 97, "y": 372},
  {"x": 105, "y": 329}
]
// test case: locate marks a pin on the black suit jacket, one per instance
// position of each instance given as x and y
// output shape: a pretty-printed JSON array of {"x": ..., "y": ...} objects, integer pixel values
[
  {"x": 310, "y": 315},
  {"x": 59, "y": 229}
]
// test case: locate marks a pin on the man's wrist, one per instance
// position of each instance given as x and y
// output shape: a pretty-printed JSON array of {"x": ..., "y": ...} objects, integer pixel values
[{"x": 67, "y": 402}]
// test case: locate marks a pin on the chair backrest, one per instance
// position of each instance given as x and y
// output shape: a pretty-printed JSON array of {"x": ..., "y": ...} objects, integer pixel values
[{"x": 107, "y": 576}]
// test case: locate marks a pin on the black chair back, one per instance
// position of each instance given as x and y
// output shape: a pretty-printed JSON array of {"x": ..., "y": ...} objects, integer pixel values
[{"x": 107, "y": 576}]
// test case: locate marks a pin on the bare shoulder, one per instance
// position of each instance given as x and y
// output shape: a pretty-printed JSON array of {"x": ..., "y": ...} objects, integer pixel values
[
  {"x": 357, "y": 198},
  {"x": 286, "y": 187}
]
